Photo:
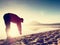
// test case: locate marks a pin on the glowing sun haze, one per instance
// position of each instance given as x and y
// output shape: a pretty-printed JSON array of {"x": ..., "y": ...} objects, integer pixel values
[{"x": 42, "y": 12}]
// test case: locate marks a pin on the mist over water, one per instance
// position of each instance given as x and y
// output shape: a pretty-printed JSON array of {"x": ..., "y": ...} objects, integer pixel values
[{"x": 37, "y": 29}]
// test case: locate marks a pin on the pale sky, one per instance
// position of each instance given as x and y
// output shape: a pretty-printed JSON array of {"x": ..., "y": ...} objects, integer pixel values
[{"x": 30, "y": 10}]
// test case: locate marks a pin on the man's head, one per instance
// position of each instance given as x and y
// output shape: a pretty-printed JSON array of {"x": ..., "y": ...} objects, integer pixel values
[{"x": 21, "y": 19}]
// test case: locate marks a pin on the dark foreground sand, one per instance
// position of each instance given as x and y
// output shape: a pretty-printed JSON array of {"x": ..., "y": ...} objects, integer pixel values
[{"x": 45, "y": 38}]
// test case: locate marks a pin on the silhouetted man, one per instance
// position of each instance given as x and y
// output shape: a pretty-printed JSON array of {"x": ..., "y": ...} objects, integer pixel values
[{"x": 10, "y": 17}]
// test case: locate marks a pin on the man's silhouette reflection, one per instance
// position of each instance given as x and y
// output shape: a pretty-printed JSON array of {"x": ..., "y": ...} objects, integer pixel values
[{"x": 10, "y": 17}]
